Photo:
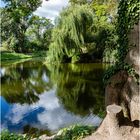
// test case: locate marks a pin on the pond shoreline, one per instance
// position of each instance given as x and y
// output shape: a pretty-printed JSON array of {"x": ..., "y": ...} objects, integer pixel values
[{"x": 7, "y": 56}]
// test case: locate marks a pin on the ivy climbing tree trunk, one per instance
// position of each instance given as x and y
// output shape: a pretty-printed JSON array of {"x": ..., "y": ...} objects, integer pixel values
[{"x": 122, "y": 90}]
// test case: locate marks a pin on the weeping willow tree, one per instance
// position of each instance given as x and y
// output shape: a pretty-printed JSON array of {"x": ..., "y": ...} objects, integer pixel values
[{"x": 68, "y": 37}]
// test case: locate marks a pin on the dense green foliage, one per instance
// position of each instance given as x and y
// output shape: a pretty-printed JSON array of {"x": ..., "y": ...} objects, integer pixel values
[
  {"x": 69, "y": 35},
  {"x": 76, "y": 132},
  {"x": 84, "y": 32},
  {"x": 38, "y": 33},
  {"x": 104, "y": 28},
  {"x": 15, "y": 17},
  {"x": 105, "y": 10},
  {"x": 128, "y": 12},
  {"x": 116, "y": 68},
  {"x": 19, "y": 25},
  {"x": 6, "y": 135}
]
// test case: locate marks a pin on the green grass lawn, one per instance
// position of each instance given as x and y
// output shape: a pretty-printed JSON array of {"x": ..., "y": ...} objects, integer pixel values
[{"x": 13, "y": 56}]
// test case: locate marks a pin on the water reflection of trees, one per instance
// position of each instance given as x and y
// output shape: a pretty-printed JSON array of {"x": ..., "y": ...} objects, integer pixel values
[
  {"x": 79, "y": 87},
  {"x": 22, "y": 83}
]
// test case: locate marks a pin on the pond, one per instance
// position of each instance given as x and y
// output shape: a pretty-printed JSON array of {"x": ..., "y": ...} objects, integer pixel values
[{"x": 43, "y": 98}]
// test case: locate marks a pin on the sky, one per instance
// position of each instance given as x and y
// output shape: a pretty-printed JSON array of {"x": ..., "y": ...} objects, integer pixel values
[
  {"x": 49, "y": 9},
  {"x": 1, "y": 4}
]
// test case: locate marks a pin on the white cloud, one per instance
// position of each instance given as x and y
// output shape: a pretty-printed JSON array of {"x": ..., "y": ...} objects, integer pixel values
[
  {"x": 2, "y": 72},
  {"x": 16, "y": 114},
  {"x": 51, "y": 9},
  {"x": 53, "y": 116}
]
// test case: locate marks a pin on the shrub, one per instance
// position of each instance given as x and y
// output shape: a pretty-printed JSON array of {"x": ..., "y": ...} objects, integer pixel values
[
  {"x": 76, "y": 132},
  {"x": 6, "y": 135}
]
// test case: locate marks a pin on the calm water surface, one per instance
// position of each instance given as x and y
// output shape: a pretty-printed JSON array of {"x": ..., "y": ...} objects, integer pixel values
[{"x": 42, "y": 98}]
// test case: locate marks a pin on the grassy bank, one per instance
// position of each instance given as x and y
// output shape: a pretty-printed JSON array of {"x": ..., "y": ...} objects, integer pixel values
[
  {"x": 6, "y": 135},
  {"x": 75, "y": 132},
  {"x": 13, "y": 56}
]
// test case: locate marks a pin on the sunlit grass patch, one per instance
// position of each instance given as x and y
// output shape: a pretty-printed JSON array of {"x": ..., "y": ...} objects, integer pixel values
[
  {"x": 11, "y": 56},
  {"x": 15, "y": 56}
]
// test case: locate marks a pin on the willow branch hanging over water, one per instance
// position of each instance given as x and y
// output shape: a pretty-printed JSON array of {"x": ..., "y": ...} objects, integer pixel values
[{"x": 68, "y": 36}]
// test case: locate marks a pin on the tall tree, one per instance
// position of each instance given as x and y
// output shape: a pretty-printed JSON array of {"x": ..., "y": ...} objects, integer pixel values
[
  {"x": 18, "y": 13},
  {"x": 106, "y": 8},
  {"x": 69, "y": 35},
  {"x": 39, "y": 32},
  {"x": 82, "y": 29},
  {"x": 100, "y": 7}
]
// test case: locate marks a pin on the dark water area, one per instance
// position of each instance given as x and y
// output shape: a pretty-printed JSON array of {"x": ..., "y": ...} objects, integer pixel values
[{"x": 37, "y": 97}]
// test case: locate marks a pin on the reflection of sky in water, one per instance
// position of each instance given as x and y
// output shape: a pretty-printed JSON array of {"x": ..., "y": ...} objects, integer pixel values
[
  {"x": 47, "y": 113},
  {"x": 2, "y": 71}
]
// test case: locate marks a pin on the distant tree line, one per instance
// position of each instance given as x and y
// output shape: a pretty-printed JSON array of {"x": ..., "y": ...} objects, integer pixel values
[{"x": 22, "y": 31}]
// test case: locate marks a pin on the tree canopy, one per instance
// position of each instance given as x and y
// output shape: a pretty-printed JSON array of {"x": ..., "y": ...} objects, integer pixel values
[
  {"x": 17, "y": 16},
  {"x": 83, "y": 28},
  {"x": 17, "y": 13},
  {"x": 69, "y": 34},
  {"x": 39, "y": 32}
]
